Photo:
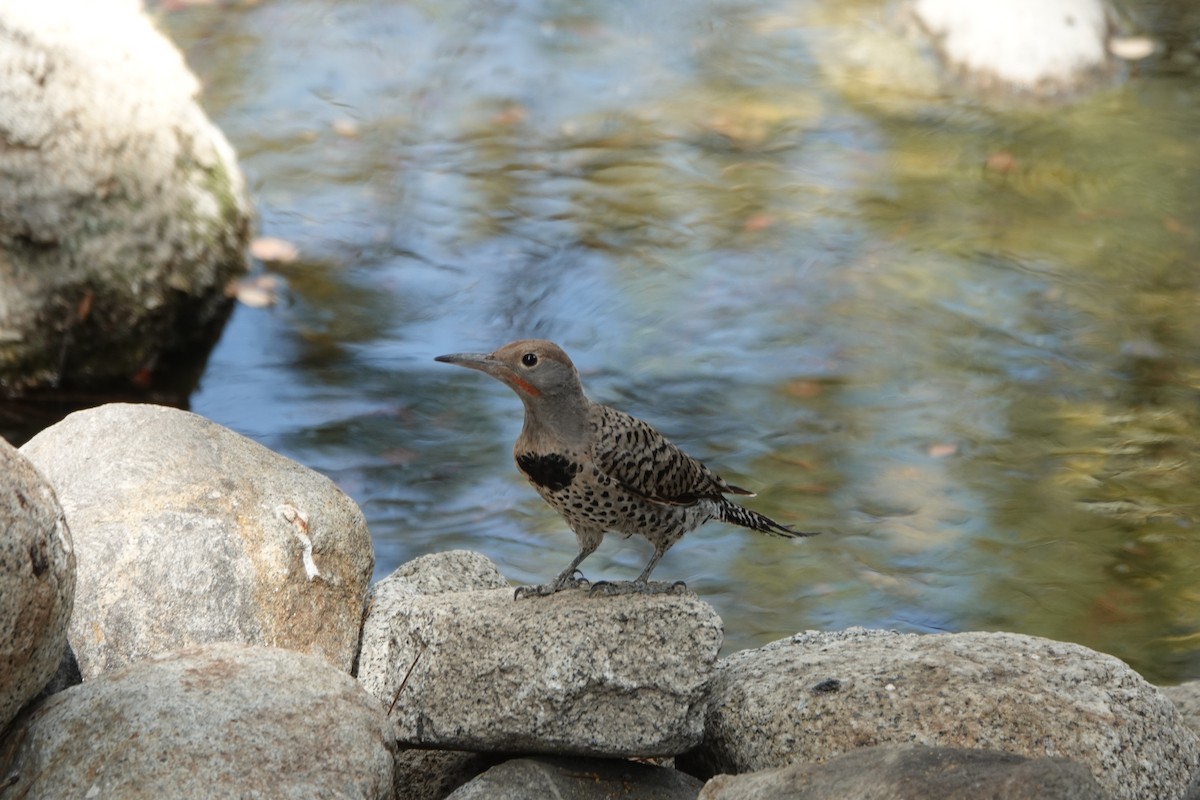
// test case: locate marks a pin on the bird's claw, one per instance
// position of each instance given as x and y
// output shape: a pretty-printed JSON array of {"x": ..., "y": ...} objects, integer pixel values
[
  {"x": 611, "y": 588},
  {"x": 547, "y": 589}
]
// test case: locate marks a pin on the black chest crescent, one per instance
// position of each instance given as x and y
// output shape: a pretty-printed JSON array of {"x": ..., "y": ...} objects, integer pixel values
[{"x": 553, "y": 471}]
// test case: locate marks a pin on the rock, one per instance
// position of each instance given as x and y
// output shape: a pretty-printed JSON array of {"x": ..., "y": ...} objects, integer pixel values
[
  {"x": 434, "y": 774},
  {"x": 187, "y": 532},
  {"x": 452, "y": 571},
  {"x": 914, "y": 773},
  {"x": 122, "y": 214},
  {"x": 37, "y": 582},
  {"x": 428, "y": 774},
  {"x": 1186, "y": 697},
  {"x": 66, "y": 676},
  {"x": 815, "y": 695},
  {"x": 1041, "y": 47},
  {"x": 567, "y": 674},
  {"x": 578, "y": 779},
  {"x": 219, "y": 720}
]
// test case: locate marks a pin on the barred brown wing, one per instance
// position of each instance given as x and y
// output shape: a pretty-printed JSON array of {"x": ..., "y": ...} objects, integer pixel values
[{"x": 643, "y": 461}]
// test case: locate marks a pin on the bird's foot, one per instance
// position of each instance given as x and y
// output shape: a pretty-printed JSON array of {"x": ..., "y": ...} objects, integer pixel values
[
  {"x": 538, "y": 590},
  {"x": 614, "y": 588},
  {"x": 547, "y": 589}
]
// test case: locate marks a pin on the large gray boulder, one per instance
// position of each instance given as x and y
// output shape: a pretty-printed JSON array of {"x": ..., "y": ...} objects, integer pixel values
[
  {"x": 569, "y": 674},
  {"x": 123, "y": 215},
  {"x": 914, "y": 773},
  {"x": 816, "y": 695},
  {"x": 186, "y": 532},
  {"x": 220, "y": 720},
  {"x": 37, "y": 582}
]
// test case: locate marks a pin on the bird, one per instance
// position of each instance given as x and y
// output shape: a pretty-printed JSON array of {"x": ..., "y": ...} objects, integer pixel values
[{"x": 603, "y": 470}]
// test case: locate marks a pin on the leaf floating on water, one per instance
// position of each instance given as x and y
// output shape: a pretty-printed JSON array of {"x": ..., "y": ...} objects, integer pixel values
[
  {"x": 804, "y": 388},
  {"x": 257, "y": 291},
  {"x": 758, "y": 222},
  {"x": 346, "y": 127},
  {"x": 1000, "y": 162},
  {"x": 1176, "y": 226},
  {"x": 942, "y": 449},
  {"x": 270, "y": 248},
  {"x": 1131, "y": 48}
]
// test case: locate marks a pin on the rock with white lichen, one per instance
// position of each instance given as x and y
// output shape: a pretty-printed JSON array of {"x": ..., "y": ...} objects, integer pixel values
[{"x": 186, "y": 532}]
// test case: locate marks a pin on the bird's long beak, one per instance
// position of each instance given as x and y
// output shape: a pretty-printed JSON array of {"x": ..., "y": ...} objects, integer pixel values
[
  {"x": 480, "y": 361},
  {"x": 485, "y": 362}
]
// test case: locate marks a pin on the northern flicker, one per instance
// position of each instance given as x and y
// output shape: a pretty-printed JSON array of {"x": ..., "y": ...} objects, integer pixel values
[{"x": 602, "y": 469}]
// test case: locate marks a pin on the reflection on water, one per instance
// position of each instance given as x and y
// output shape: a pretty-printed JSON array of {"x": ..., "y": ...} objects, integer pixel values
[{"x": 963, "y": 344}]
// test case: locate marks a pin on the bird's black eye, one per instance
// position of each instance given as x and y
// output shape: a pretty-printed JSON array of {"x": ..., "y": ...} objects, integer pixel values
[{"x": 529, "y": 359}]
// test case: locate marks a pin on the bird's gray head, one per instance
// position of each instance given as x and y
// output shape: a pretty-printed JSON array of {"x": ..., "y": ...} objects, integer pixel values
[{"x": 543, "y": 377}]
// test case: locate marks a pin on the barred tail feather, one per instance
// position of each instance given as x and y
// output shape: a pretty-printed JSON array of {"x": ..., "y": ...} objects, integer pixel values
[{"x": 737, "y": 515}]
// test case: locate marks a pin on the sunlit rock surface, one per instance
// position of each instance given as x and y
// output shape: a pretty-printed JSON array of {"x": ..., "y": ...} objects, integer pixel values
[
  {"x": 816, "y": 695},
  {"x": 186, "y": 532},
  {"x": 122, "y": 210},
  {"x": 570, "y": 673}
]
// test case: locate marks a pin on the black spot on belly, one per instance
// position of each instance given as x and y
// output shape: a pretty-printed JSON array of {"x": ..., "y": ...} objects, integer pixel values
[{"x": 551, "y": 471}]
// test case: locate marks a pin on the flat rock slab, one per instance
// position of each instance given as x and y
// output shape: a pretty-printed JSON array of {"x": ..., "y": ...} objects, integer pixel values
[
  {"x": 568, "y": 674},
  {"x": 186, "y": 532},
  {"x": 218, "y": 720},
  {"x": 578, "y": 779},
  {"x": 914, "y": 773},
  {"x": 816, "y": 695},
  {"x": 37, "y": 582}
]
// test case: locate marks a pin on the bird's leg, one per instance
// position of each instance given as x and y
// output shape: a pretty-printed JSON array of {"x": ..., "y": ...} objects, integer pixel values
[
  {"x": 567, "y": 576},
  {"x": 566, "y": 579},
  {"x": 645, "y": 576},
  {"x": 642, "y": 584}
]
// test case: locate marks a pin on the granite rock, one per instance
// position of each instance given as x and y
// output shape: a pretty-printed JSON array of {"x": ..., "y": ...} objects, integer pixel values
[
  {"x": 816, "y": 695},
  {"x": 568, "y": 674},
  {"x": 914, "y": 773},
  {"x": 217, "y": 720},
  {"x": 37, "y": 582},
  {"x": 186, "y": 532}
]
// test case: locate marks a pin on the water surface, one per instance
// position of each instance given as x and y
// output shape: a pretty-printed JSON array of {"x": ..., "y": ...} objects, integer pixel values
[{"x": 961, "y": 342}]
